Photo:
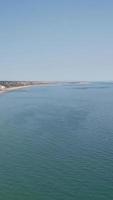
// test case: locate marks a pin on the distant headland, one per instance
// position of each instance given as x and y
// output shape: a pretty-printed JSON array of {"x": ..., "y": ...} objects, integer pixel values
[
  {"x": 6, "y": 86},
  {"x": 14, "y": 85}
]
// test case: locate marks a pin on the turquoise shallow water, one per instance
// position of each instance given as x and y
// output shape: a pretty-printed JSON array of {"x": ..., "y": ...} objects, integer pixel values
[{"x": 56, "y": 143}]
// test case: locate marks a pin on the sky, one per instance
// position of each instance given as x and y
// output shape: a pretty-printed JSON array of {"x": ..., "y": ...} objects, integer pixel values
[{"x": 61, "y": 40}]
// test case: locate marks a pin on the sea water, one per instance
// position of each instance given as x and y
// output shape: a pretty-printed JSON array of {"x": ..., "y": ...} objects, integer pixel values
[{"x": 56, "y": 143}]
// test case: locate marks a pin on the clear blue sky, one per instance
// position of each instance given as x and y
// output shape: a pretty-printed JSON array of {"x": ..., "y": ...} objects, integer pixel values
[{"x": 56, "y": 39}]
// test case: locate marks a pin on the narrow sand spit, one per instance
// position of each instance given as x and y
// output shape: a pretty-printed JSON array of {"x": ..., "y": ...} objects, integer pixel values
[
  {"x": 14, "y": 88},
  {"x": 22, "y": 87}
]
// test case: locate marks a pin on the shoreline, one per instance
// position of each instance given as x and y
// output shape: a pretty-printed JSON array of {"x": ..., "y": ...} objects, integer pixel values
[
  {"x": 10, "y": 89},
  {"x": 14, "y": 88}
]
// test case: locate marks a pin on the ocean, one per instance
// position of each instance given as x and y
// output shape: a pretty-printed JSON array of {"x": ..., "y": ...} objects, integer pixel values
[{"x": 56, "y": 143}]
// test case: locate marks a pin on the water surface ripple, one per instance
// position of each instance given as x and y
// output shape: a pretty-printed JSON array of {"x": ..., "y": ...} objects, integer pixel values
[{"x": 56, "y": 143}]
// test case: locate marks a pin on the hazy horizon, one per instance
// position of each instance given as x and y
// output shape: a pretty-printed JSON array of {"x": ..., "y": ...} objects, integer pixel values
[{"x": 56, "y": 40}]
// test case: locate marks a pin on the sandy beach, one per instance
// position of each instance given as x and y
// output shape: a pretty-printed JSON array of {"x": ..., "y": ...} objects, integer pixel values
[
  {"x": 14, "y": 88},
  {"x": 22, "y": 87}
]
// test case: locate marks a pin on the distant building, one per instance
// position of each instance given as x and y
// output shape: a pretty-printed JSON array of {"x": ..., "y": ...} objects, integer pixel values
[{"x": 2, "y": 87}]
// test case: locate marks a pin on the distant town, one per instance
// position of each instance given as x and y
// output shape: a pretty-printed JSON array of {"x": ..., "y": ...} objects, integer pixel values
[{"x": 8, "y": 85}]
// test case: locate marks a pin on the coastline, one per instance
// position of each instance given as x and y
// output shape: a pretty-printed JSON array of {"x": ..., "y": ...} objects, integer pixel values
[
  {"x": 10, "y": 89},
  {"x": 14, "y": 88}
]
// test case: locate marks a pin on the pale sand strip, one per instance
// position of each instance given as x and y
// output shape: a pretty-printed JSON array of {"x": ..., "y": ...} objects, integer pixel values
[
  {"x": 22, "y": 87},
  {"x": 14, "y": 88}
]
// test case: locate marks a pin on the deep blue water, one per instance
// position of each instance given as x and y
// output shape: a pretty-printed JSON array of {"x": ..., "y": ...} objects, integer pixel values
[{"x": 56, "y": 143}]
